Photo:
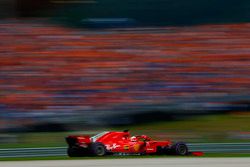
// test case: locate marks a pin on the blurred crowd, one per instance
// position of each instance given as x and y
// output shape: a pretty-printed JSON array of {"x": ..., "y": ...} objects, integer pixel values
[{"x": 48, "y": 71}]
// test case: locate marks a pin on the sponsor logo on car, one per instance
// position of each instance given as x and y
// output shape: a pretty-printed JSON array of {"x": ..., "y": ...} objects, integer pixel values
[
  {"x": 113, "y": 146},
  {"x": 126, "y": 147},
  {"x": 150, "y": 149}
]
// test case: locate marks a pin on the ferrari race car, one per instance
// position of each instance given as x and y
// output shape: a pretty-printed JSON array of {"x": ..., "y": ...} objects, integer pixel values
[{"x": 121, "y": 143}]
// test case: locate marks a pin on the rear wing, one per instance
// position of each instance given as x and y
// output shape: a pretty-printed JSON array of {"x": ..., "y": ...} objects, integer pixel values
[{"x": 77, "y": 140}]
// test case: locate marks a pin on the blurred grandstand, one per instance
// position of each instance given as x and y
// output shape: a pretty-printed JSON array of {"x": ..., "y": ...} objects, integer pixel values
[
  {"x": 59, "y": 75},
  {"x": 54, "y": 74}
]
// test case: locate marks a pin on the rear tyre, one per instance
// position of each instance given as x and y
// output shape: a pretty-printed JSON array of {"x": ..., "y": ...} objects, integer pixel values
[
  {"x": 98, "y": 149},
  {"x": 180, "y": 149},
  {"x": 72, "y": 152}
]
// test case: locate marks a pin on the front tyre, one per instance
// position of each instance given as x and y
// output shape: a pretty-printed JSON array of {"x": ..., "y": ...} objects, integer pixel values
[
  {"x": 180, "y": 149},
  {"x": 98, "y": 149}
]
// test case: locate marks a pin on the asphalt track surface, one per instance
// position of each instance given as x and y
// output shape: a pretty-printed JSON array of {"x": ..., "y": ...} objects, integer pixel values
[{"x": 154, "y": 162}]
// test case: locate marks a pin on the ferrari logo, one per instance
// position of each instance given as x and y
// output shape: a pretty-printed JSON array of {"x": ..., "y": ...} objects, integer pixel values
[{"x": 137, "y": 147}]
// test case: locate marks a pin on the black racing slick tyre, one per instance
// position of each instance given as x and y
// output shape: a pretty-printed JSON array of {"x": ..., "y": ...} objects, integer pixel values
[
  {"x": 98, "y": 149},
  {"x": 72, "y": 152},
  {"x": 180, "y": 149}
]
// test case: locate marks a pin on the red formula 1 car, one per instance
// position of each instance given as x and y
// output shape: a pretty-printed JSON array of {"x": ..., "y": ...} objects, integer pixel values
[{"x": 121, "y": 143}]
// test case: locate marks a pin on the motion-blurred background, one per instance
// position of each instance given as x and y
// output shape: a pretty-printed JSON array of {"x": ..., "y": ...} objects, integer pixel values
[{"x": 173, "y": 69}]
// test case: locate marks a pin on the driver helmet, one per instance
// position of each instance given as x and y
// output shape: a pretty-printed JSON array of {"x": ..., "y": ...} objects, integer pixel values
[{"x": 133, "y": 138}]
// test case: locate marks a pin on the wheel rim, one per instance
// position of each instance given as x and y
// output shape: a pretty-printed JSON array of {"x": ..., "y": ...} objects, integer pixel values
[
  {"x": 182, "y": 149},
  {"x": 100, "y": 151}
]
